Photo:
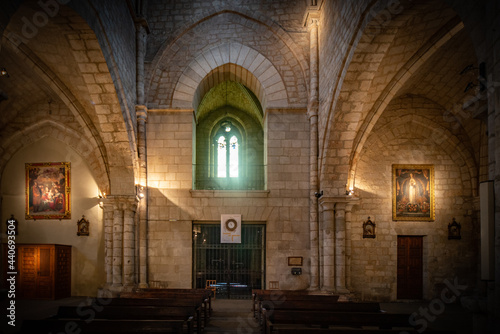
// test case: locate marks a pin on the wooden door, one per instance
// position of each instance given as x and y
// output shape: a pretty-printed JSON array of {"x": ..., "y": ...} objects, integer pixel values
[
  {"x": 410, "y": 267},
  {"x": 28, "y": 269},
  {"x": 36, "y": 273},
  {"x": 45, "y": 274}
]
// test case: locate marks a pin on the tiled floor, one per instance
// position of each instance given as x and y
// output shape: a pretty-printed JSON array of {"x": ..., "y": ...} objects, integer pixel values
[{"x": 235, "y": 316}]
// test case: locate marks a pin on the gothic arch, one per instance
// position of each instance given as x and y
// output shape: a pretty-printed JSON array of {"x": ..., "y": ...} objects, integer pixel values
[
  {"x": 48, "y": 128},
  {"x": 89, "y": 93},
  {"x": 367, "y": 87},
  {"x": 440, "y": 135},
  {"x": 174, "y": 77},
  {"x": 218, "y": 65}
]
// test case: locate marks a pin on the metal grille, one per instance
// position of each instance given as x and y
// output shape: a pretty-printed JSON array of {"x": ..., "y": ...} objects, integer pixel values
[{"x": 237, "y": 268}]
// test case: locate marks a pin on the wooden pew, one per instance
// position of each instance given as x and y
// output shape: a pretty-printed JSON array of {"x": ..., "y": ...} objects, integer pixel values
[
  {"x": 102, "y": 326},
  {"x": 202, "y": 294},
  {"x": 329, "y": 318},
  {"x": 356, "y": 331},
  {"x": 318, "y": 305},
  {"x": 129, "y": 312},
  {"x": 279, "y": 296},
  {"x": 199, "y": 306}
]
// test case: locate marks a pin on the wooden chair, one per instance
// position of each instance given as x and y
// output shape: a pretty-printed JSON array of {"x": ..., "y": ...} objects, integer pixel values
[{"x": 211, "y": 284}]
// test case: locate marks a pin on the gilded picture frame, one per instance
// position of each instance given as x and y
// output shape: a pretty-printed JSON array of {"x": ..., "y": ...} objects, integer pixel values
[
  {"x": 48, "y": 190},
  {"x": 413, "y": 192}
]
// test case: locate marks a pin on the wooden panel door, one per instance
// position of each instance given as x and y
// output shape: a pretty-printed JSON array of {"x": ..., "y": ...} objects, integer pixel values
[
  {"x": 45, "y": 274},
  {"x": 410, "y": 267},
  {"x": 28, "y": 269}
]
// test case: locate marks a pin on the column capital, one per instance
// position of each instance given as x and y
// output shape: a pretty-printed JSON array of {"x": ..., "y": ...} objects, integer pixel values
[
  {"x": 141, "y": 111},
  {"x": 338, "y": 202},
  {"x": 141, "y": 23},
  {"x": 121, "y": 202},
  {"x": 311, "y": 16}
]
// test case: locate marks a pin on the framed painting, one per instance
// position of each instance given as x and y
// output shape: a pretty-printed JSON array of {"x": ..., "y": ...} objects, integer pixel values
[
  {"x": 413, "y": 192},
  {"x": 48, "y": 190}
]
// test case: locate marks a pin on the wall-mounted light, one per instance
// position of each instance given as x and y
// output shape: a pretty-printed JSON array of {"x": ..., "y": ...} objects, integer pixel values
[
  {"x": 140, "y": 191},
  {"x": 4, "y": 73},
  {"x": 318, "y": 194},
  {"x": 349, "y": 191},
  {"x": 101, "y": 198}
]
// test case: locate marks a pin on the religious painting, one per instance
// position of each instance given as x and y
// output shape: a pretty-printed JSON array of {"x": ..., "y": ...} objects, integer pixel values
[
  {"x": 368, "y": 229},
  {"x": 413, "y": 192},
  {"x": 48, "y": 190}
]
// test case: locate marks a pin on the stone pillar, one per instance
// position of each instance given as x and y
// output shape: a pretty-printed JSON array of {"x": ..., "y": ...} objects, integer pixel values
[
  {"x": 340, "y": 244},
  {"x": 336, "y": 211},
  {"x": 108, "y": 241},
  {"x": 328, "y": 263},
  {"x": 312, "y": 112},
  {"x": 117, "y": 245},
  {"x": 142, "y": 31},
  {"x": 348, "y": 248},
  {"x": 129, "y": 245},
  {"x": 142, "y": 115}
]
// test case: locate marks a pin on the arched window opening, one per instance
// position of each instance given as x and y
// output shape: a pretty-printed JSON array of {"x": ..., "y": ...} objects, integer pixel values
[
  {"x": 228, "y": 159},
  {"x": 229, "y": 146},
  {"x": 233, "y": 157},
  {"x": 221, "y": 157}
]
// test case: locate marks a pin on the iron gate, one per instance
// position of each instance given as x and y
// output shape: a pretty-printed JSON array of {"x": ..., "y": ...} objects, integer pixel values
[{"x": 237, "y": 268}]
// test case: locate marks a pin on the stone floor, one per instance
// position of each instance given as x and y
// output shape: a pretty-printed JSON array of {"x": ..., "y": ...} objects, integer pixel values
[{"x": 235, "y": 316}]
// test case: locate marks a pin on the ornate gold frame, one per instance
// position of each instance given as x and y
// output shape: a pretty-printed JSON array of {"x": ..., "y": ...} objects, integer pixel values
[
  {"x": 51, "y": 183},
  {"x": 417, "y": 203}
]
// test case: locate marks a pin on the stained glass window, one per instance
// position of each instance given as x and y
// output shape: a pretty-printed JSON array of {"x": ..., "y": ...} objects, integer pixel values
[
  {"x": 221, "y": 157},
  {"x": 233, "y": 157}
]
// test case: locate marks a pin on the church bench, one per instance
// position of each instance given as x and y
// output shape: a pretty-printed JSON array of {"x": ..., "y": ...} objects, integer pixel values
[
  {"x": 109, "y": 312},
  {"x": 99, "y": 326},
  {"x": 279, "y": 296},
  {"x": 332, "y": 318},
  {"x": 200, "y": 306},
  {"x": 318, "y": 305},
  {"x": 202, "y": 294},
  {"x": 312, "y": 330}
]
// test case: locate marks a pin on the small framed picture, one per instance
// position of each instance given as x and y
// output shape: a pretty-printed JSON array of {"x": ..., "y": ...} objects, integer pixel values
[
  {"x": 295, "y": 261},
  {"x": 368, "y": 229},
  {"x": 83, "y": 227}
]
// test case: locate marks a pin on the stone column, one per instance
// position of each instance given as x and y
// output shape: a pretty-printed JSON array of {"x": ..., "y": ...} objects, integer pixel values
[
  {"x": 336, "y": 212},
  {"x": 142, "y": 31},
  {"x": 348, "y": 248},
  {"x": 142, "y": 115},
  {"x": 108, "y": 241},
  {"x": 340, "y": 244},
  {"x": 129, "y": 244},
  {"x": 117, "y": 245},
  {"x": 312, "y": 112},
  {"x": 328, "y": 263}
]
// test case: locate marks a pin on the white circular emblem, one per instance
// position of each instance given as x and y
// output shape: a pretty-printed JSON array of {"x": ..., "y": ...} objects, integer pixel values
[{"x": 231, "y": 224}]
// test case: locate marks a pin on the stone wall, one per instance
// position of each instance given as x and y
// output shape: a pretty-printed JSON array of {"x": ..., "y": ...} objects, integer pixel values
[
  {"x": 398, "y": 139},
  {"x": 87, "y": 266},
  {"x": 174, "y": 206}
]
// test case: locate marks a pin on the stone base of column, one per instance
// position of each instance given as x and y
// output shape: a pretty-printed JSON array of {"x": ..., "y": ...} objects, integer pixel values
[
  {"x": 143, "y": 285},
  {"x": 109, "y": 291},
  {"x": 342, "y": 291}
]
